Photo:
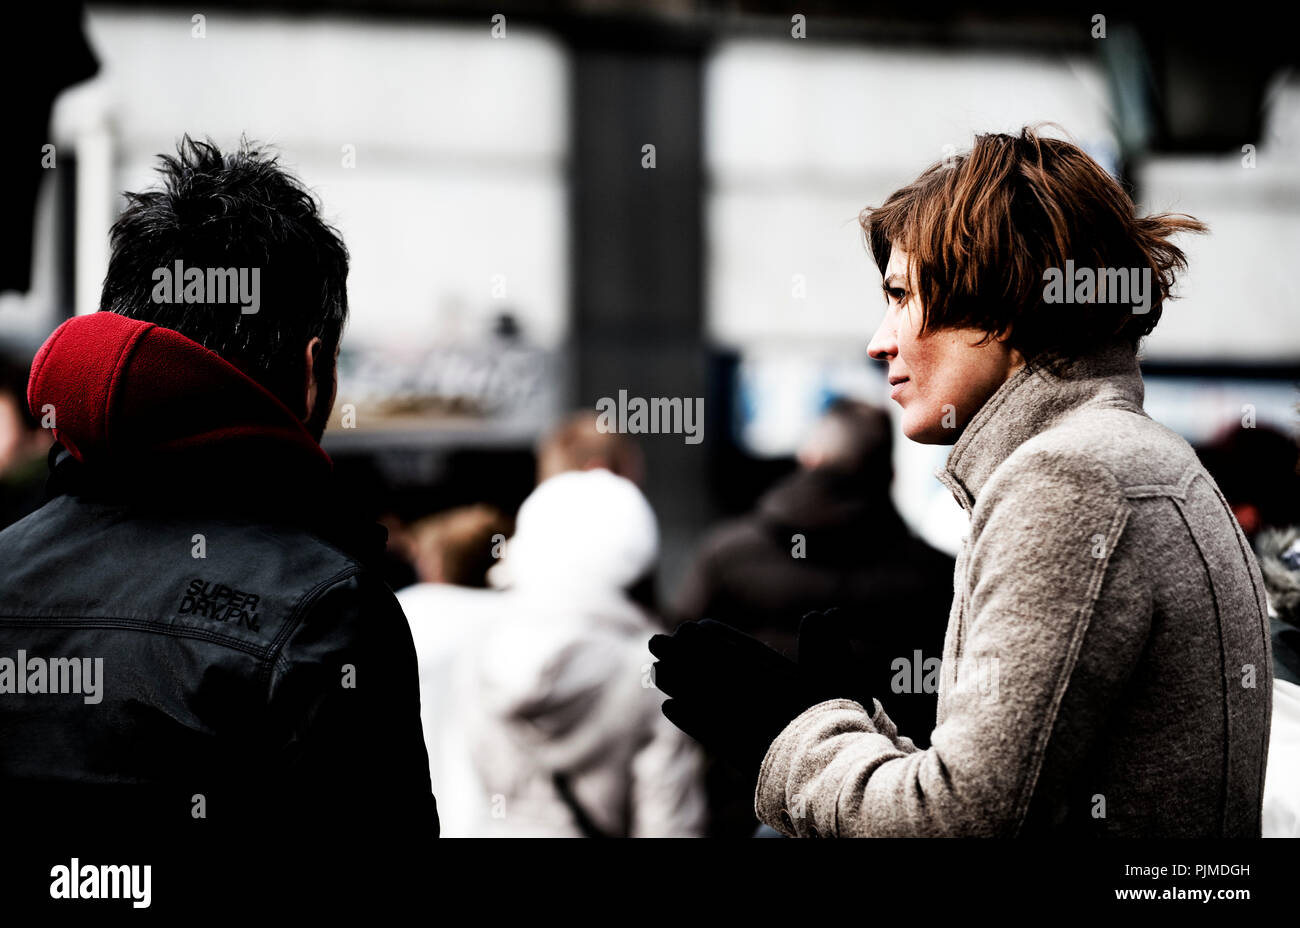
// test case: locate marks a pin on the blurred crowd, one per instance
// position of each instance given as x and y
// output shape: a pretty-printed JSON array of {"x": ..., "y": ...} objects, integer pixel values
[
  {"x": 540, "y": 715},
  {"x": 539, "y": 709}
]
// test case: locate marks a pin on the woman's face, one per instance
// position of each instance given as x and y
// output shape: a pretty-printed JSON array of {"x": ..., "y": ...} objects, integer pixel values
[{"x": 941, "y": 379}]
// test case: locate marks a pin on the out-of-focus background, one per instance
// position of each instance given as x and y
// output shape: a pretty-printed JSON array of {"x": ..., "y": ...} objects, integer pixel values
[
  {"x": 550, "y": 206},
  {"x": 515, "y": 256}
]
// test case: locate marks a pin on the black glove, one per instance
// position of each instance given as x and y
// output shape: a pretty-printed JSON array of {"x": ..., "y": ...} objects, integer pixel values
[{"x": 734, "y": 694}]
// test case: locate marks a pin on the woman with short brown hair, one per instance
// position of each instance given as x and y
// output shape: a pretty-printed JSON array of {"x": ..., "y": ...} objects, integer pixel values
[{"x": 1106, "y": 669}]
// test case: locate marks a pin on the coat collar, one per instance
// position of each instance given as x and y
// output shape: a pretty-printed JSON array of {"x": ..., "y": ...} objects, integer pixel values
[{"x": 1031, "y": 401}]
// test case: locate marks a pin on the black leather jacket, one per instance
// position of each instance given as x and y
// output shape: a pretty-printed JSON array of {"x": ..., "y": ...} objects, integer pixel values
[{"x": 255, "y": 676}]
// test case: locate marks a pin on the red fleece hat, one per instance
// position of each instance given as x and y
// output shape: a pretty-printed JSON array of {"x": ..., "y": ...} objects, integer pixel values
[{"x": 125, "y": 391}]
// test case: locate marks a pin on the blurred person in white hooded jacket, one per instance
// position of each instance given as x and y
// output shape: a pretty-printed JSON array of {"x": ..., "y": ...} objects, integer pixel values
[
  {"x": 1279, "y": 562},
  {"x": 561, "y": 715},
  {"x": 447, "y": 609}
]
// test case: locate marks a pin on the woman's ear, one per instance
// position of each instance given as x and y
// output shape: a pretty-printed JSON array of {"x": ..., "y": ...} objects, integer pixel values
[{"x": 1015, "y": 360}]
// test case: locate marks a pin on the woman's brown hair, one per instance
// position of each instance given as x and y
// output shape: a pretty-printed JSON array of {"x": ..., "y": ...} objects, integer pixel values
[{"x": 983, "y": 228}]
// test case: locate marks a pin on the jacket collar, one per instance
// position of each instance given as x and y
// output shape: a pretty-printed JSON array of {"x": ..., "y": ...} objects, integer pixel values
[
  {"x": 1031, "y": 401},
  {"x": 316, "y": 503}
]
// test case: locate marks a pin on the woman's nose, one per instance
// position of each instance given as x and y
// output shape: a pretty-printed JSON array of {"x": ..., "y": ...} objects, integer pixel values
[{"x": 883, "y": 344}]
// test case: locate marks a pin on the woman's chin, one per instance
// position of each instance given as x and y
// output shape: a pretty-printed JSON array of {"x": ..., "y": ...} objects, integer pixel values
[{"x": 927, "y": 430}]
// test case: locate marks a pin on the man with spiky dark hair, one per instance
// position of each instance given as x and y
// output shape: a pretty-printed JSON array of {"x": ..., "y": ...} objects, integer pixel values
[
  {"x": 192, "y": 640},
  {"x": 202, "y": 217}
]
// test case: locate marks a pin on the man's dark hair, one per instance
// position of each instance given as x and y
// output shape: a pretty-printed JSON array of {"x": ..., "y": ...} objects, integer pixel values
[{"x": 236, "y": 209}]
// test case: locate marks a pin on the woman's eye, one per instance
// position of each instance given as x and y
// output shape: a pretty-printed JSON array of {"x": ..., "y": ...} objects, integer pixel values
[{"x": 896, "y": 294}]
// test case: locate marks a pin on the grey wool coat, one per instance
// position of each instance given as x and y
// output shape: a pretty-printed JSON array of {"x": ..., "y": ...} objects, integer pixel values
[{"x": 1106, "y": 668}]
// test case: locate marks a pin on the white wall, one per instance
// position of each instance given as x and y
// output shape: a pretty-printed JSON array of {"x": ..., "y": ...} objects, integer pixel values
[
  {"x": 801, "y": 136},
  {"x": 460, "y": 144}
]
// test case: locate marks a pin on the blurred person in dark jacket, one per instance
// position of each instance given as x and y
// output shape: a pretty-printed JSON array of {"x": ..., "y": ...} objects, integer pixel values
[
  {"x": 243, "y": 670},
  {"x": 1258, "y": 470},
  {"x": 829, "y": 537},
  {"x": 1255, "y": 468},
  {"x": 24, "y": 445}
]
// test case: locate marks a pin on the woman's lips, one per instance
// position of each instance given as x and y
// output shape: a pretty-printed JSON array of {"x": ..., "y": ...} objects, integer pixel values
[{"x": 898, "y": 388}]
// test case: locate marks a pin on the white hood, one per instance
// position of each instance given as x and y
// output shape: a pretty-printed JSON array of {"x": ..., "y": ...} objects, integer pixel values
[{"x": 587, "y": 529}]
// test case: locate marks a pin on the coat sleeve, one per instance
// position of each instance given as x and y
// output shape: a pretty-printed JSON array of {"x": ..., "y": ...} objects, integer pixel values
[
  {"x": 1055, "y": 618},
  {"x": 882, "y": 723},
  {"x": 345, "y": 692}
]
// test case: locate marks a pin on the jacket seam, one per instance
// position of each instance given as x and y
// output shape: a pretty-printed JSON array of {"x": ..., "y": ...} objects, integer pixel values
[
  {"x": 1226, "y": 757},
  {"x": 275, "y": 651},
  {"x": 1082, "y": 623},
  {"x": 1261, "y": 596},
  {"x": 1261, "y": 603},
  {"x": 1177, "y": 490},
  {"x": 261, "y": 652}
]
